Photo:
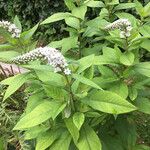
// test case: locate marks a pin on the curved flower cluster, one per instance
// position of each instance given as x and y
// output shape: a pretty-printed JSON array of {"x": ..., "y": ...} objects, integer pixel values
[
  {"x": 53, "y": 57},
  {"x": 11, "y": 28},
  {"x": 124, "y": 25}
]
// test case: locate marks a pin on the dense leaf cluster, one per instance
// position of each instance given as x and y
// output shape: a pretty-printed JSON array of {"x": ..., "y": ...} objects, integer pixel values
[{"x": 94, "y": 106}]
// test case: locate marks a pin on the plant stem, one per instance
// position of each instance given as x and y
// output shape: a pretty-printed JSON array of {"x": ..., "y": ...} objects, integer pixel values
[
  {"x": 126, "y": 43},
  {"x": 71, "y": 93}
]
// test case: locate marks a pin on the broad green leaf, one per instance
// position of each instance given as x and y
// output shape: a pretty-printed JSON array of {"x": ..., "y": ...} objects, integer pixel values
[
  {"x": 63, "y": 142},
  {"x": 88, "y": 139},
  {"x": 51, "y": 78},
  {"x": 147, "y": 10},
  {"x": 143, "y": 68},
  {"x": 8, "y": 55},
  {"x": 55, "y": 92},
  {"x": 85, "y": 81},
  {"x": 119, "y": 88},
  {"x": 145, "y": 44},
  {"x": 6, "y": 47},
  {"x": 34, "y": 132},
  {"x": 143, "y": 105},
  {"x": 72, "y": 129},
  {"x": 139, "y": 8},
  {"x": 56, "y": 17},
  {"x": 46, "y": 139},
  {"x": 84, "y": 63},
  {"x": 14, "y": 83},
  {"x": 93, "y": 3},
  {"x": 145, "y": 30},
  {"x": 41, "y": 113},
  {"x": 111, "y": 54},
  {"x": 124, "y": 6},
  {"x": 69, "y": 43},
  {"x": 106, "y": 71},
  {"x": 127, "y": 58},
  {"x": 113, "y": 2},
  {"x": 17, "y": 22},
  {"x": 28, "y": 34},
  {"x": 66, "y": 43},
  {"x": 133, "y": 93},
  {"x": 73, "y": 22},
  {"x": 69, "y": 4},
  {"x": 79, "y": 12},
  {"x": 78, "y": 119},
  {"x": 108, "y": 102}
]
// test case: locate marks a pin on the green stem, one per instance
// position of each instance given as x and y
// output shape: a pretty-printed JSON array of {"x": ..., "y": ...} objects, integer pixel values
[
  {"x": 126, "y": 43},
  {"x": 71, "y": 93}
]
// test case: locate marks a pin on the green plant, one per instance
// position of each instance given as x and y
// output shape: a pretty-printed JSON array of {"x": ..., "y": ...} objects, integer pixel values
[{"x": 93, "y": 107}]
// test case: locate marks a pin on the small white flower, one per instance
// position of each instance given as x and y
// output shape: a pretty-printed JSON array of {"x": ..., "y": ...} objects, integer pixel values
[
  {"x": 53, "y": 57},
  {"x": 10, "y": 28},
  {"x": 124, "y": 25},
  {"x": 67, "y": 71}
]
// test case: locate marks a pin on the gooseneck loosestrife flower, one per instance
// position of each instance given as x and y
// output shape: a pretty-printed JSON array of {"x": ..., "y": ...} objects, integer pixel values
[
  {"x": 124, "y": 25},
  {"x": 52, "y": 55},
  {"x": 15, "y": 32}
]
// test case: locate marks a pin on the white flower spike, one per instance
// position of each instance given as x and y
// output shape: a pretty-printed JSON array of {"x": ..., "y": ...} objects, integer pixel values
[
  {"x": 53, "y": 57},
  {"x": 124, "y": 25},
  {"x": 15, "y": 32}
]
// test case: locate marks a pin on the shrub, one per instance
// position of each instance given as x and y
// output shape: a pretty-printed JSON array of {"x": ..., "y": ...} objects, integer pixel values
[{"x": 85, "y": 96}]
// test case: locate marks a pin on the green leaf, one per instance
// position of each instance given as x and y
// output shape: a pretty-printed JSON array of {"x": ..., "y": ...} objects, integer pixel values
[
  {"x": 93, "y": 3},
  {"x": 51, "y": 78},
  {"x": 147, "y": 10},
  {"x": 78, "y": 119},
  {"x": 127, "y": 58},
  {"x": 143, "y": 68},
  {"x": 63, "y": 142},
  {"x": 124, "y": 6},
  {"x": 34, "y": 132},
  {"x": 113, "y": 2},
  {"x": 145, "y": 44},
  {"x": 111, "y": 55},
  {"x": 72, "y": 129},
  {"x": 56, "y": 17},
  {"x": 8, "y": 55},
  {"x": 46, "y": 139},
  {"x": 143, "y": 105},
  {"x": 88, "y": 139},
  {"x": 79, "y": 12},
  {"x": 139, "y": 8},
  {"x": 119, "y": 88},
  {"x": 84, "y": 63},
  {"x": 73, "y": 22},
  {"x": 85, "y": 81},
  {"x": 14, "y": 83},
  {"x": 55, "y": 92},
  {"x": 133, "y": 93},
  {"x": 145, "y": 30},
  {"x": 108, "y": 102},
  {"x": 28, "y": 34},
  {"x": 66, "y": 43},
  {"x": 17, "y": 22},
  {"x": 106, "y": 71},
  {"x": 41, "y": 113},
  {"x": 69, "y": 4}
]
